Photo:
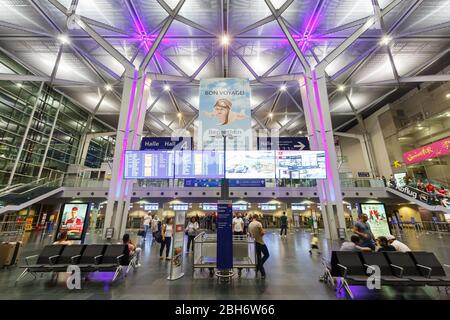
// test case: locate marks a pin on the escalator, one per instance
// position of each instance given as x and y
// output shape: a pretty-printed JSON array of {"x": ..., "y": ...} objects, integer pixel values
[
  {"x": 21, "y": 196},
  {"x": 422, "y": 199}
]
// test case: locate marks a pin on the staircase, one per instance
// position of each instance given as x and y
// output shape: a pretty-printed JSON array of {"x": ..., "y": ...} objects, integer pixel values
[
  {"x": 418, "y": 197},
  {"x": 21, "y": 196}
]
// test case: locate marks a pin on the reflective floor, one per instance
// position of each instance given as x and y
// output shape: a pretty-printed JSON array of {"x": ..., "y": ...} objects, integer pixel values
[{"x": 292, "y": 273}]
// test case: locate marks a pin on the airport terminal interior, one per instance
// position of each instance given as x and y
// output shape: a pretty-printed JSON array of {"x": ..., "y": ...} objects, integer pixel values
[{"x": 225, "y": 149}]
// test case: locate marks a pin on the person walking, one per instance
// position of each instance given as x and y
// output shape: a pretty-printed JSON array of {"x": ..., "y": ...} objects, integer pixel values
[
  {"x": 284, "y": 224},
  {"x": 191, "y": 231},
  {"x": 147, "y": 222},
  {"x": 257, "y": 232},
  {"x": 314, "y": 244},
  {"x": 155, "y": 226},
  {"x": 362, "y": 229},
  {"x": 166, "y": 234},
  {"x": 238, "y": 225}
]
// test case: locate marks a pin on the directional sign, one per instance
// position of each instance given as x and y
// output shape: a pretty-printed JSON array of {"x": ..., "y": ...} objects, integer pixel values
[{"x": 283, "y": 143}]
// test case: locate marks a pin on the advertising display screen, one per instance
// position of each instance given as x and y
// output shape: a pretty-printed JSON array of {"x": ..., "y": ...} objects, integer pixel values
[
  {"x": 377, "y": 218},
  {"x": 199, "y": 164},
  {"x": 256, "y": 164},
  {"x": 300, "y": 164},
  {"x": 73, "y": 220},
  {"x": 149, "y": 164}
]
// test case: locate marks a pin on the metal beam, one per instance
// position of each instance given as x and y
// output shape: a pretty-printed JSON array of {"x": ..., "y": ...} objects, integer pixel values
[
  {"x": 249, "y": 68},
  {"x": 104, "y": 44},
  {"x": 416, "y": 79},
  {"x": 354, "y": 36},
  {"x": 266, "y": 20},
  {"x": 182, "y": 19},
  {"x": 157, "y": 41},
  {"x": 289, "y": 37},
  {"x": 102, "y": 25}
]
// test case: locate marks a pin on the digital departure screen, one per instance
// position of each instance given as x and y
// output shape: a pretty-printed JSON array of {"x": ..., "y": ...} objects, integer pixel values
[
  {"x": 149, "y": 164},
  {"x": 199, "y": 164},
  {"x": 292, "y": 164},
  {"x": 255, "y": 164}
]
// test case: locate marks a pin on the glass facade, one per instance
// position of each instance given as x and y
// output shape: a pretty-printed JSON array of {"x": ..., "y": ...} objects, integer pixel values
[{"x": 17, "y": 101}]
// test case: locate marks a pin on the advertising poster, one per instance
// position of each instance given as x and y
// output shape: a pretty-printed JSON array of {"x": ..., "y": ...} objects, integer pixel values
[
  {"x": 377, "y": 218},
  {"x": 73, "y": 220},
  {"x": 29, "y": 224},
  {"x": 224, "y": 106},
  {"x": 176, "y": 264},
  {"x": 224, "y": 235}
]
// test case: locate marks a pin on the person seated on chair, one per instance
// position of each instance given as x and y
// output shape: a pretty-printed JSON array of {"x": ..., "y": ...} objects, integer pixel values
[
  {"x": 353, "y": 245},
  {"x": 132, "y": 248},
  {"x": 62, "y": 239},
  {"x": 383, "y": 245}
]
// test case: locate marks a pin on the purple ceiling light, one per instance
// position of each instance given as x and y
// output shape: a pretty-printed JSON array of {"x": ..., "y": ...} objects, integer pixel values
[
  {"x": 311, "y": 26},
  {"x": 139, "y": 26}
]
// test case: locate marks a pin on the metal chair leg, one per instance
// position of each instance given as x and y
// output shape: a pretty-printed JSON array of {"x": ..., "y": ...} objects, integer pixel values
[
  {"x": 347, "y": 288},
  {"x": 23, "y": 274}
]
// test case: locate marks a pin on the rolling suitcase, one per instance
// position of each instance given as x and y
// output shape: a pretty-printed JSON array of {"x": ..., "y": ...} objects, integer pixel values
[{"x": 9, "y": 253}]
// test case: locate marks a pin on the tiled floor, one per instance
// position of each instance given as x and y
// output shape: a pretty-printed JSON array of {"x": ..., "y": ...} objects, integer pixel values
[{"x": 291, "y": 274}]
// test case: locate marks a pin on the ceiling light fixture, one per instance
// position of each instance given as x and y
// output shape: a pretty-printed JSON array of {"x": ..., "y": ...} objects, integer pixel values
[
  {"x": 340, "y": 88},
  {"x": 179, "y": 115},
  {"x": 19, "y": 85},
  {"x": 385, "y": 40},
  {"x": 108, "y": 87},
  {"x": 225, "y": 40},
  {"x": 166, "y": 87},
  {"x": 447, "y": 95},
  {"x": 63, "y": 38},
  {"x": 283, "y": 88},
  {"x": 271, "y": 115}
]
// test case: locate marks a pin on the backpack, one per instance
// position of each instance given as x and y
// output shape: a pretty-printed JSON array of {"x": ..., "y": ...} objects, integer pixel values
[{"x": 158, "y": 236}]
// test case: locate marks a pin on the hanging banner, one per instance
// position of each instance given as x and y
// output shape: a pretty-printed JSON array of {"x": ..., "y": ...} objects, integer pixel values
[
  {"x": 436, "y": 149},
  {"x": 224, "y": 235},
  {"x": 176, "y": 264},
  {"x": 224, "y": 108}
]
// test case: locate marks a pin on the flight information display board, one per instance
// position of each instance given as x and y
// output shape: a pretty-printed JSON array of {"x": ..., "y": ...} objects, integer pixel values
[
  {"x": 149, "y": 164},
  {"x": 199, "y": 164},
  {"x": 255, "y": 164},
  {"x": 300, "y": 164}
]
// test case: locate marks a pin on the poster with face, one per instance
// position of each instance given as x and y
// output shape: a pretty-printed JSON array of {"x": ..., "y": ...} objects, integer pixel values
[
  {"x": 73, "y": 219},
  {"x": 377, "y": 218},
  {"x": 224, "y": 107}
]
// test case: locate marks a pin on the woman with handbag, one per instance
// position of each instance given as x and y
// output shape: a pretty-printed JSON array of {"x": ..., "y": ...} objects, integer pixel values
[
  {"x": 166, "y": 241},
  {"x": 191, "y": 232}
]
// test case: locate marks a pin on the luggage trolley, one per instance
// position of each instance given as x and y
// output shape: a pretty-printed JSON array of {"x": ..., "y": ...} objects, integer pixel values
[
  {"x": 11, "y": 234},
  {"x": 205, "y": 254}
]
